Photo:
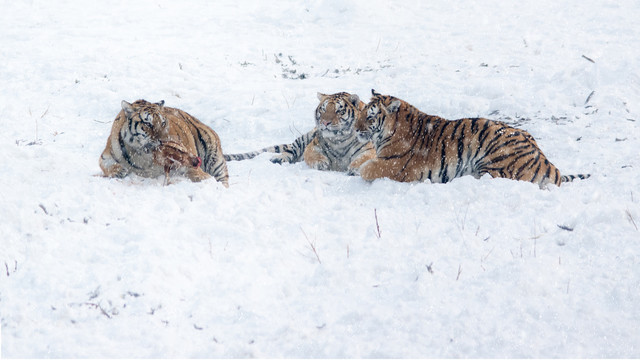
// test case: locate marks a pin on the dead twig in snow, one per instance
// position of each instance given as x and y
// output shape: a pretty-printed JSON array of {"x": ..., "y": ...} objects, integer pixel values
[
  {"x": 589, "y": 97},
  {"x": 430, "y": 268},
  {"x": 285, "y": 100},
  {"x": 97, "y": 306},
  {"x": 378, "y": 233},
  {"x": 564, "y": 227},
  {"x": 312, "y": 245},
  {"x": 630, "y": 218},
  {"x": 486, "y": 256},
  {"x": 588, "y": 59},
  {"x": 37, "y": 141}
]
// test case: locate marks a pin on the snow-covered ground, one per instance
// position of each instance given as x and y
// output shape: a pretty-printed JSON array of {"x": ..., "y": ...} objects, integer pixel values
[{"x": 293, "y": 262}]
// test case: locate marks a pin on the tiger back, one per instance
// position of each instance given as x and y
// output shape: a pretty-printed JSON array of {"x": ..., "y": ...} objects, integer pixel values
[
  {"x": 413, "y": 146},
  {"x": 141, "y": 127},
  {"x": 332, "y": 144}
]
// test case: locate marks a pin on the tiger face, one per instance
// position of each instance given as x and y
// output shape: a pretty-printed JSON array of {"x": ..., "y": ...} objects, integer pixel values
[
  {"x": 372, "y": 118},
  {"x": 336, "y": 114},
  {"x": 145, "y": 124}
]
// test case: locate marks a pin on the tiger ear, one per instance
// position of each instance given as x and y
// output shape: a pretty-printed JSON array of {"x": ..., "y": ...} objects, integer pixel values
[
  {"x": 160, "y": 103},
  {"x": 354, "y": 99},
  {"x": 128, "y": 109},
  {"x": 374, "y": 93},
  {"x": 393, "y": 107},
  {"x": 321, "y": 96}
]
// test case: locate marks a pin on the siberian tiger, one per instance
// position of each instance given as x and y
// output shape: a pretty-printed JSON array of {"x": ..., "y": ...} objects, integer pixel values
[
  {"x": 413, "y": 146},
  {"x": 332, "y": 144},
  {"x": 139, "y": 130}
]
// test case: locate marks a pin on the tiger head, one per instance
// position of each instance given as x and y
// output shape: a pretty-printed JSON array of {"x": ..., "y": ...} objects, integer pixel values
[
  {"x": 373, "y": 117},
  {"x": 336, "y": 114},
  {"x": 146, "y": 124}
]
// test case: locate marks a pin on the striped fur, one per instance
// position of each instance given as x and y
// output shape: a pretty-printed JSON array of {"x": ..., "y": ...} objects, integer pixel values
[
  {"x": 332, "y": 144},
  {"x": 140, "y": 128},
  {"x": 287, "y": 153},
  {"x": 413, "y": 146}
]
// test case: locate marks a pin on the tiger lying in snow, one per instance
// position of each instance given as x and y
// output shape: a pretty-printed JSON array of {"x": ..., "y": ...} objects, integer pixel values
[
  {"x": 141, "y": 128},
  {"x": 331, "y": 145},
  {"x": 413, "y": 146}
]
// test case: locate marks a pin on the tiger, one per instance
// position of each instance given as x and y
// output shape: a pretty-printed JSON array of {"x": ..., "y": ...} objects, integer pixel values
[
  {"x": 141, "y": 127},
  {"x": 413, "y": 146},
  {"x": 332, "y": 144}
]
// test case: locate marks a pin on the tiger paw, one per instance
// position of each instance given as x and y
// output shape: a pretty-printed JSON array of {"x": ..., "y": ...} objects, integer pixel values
[
  {"x": 197, "y": 174},
  {"x": 320, "y": 165},
  {"x": 116, "y": 171},
  {"x": 280, "y": 159},
  {"x": 353, "y": 172}
]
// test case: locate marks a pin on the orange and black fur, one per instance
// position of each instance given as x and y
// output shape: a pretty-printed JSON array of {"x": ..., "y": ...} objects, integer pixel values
[
  {"x": 138, "y": 132},
  {"x": 332, "y": 144},
  {"x": 413, "y": 146},
  {"x": 173, "y": 156}
]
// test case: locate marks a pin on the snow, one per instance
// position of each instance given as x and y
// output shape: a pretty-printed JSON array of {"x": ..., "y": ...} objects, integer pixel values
[{"x": 293, "y": 262}]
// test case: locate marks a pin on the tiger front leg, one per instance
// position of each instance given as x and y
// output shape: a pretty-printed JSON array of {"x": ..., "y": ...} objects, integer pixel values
[
  {"x": 315, "y": 158},
  {"x": 109, "y": 166},
  {"x": 282, "y": 158},
  {"x": 354, "y": 166},
  {"x": 196, "y": 174},
  {"x": 379, "y": 168}
]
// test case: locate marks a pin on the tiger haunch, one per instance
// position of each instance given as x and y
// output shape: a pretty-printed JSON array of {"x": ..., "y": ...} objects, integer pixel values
[
  {"x": 141, "y": 127},
  {"x": 413, "y": 146}
]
